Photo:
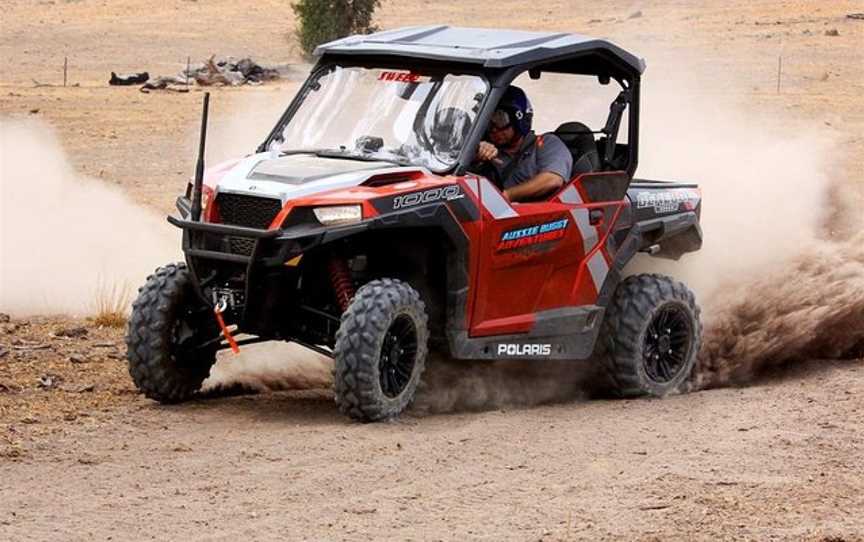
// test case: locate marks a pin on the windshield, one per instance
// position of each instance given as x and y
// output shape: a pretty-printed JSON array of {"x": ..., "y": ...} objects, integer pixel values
[{"x": 377, "y": 114}]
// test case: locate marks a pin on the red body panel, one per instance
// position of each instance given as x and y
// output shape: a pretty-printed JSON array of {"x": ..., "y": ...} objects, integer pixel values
[{"x": 548, "y": 271}]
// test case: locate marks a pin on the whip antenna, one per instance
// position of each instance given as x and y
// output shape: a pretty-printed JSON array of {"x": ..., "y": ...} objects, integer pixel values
[{"x": 199, "y": 167}]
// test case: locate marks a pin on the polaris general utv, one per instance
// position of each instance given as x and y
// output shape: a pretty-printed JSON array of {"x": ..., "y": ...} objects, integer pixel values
[{"x": 361, "y": 230}]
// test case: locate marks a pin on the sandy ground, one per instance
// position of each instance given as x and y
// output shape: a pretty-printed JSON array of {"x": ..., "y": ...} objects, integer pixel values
[
  {"x": 82, "y": 456},
  {"x": 778, "y": 460}
]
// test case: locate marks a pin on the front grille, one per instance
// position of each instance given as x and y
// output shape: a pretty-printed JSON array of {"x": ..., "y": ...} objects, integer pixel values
[
  {"x": 248, "y": 211},
  {"x": 241, "y": 245}
]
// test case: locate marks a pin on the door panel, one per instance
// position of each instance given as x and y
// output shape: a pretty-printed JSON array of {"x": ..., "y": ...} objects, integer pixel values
[{"x": 533, "y": 257}]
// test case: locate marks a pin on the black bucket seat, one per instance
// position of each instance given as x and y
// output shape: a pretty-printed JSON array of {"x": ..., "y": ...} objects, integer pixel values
[{"x": 580, "y": 141}]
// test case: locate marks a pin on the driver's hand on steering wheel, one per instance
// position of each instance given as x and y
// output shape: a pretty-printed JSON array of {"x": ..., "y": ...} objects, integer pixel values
[{"x": 486, "y": 151}]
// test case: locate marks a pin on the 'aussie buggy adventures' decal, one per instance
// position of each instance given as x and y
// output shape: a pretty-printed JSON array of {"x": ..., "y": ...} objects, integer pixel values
[{"x": 530, "y": 236}]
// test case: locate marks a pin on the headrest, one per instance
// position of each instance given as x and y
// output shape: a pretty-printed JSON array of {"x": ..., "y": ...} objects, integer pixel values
[{"x": 577, "y": 137}]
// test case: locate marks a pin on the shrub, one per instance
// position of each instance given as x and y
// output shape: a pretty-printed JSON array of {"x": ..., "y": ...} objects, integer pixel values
[
  {"x": 320, "y": 21},
  {"x": 111, "y": 304}
]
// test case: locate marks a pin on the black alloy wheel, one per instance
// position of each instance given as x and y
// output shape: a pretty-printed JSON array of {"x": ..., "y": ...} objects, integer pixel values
[
  {"x": 398, "y": 356},
  {"x": 667, "y": 343}
]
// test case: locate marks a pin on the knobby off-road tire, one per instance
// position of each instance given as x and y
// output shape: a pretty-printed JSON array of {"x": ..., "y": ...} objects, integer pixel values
[
  {"x": 168, "y": 320},
  {"x": 651, "y": 336},
  {"x": 381, "y": 349}
]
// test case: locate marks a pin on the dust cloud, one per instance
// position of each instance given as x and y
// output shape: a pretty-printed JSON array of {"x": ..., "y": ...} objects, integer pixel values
[
  {"x": 240, "y": 122},
  {"x": 777, "y": 284},
  {"x": 269, "y": 366},
  {"x": 813, "y": 308},
  {"x": 64, "y": 238},
  {"x": 458, "y": 386},
  {"x": 764, "y": 182}
]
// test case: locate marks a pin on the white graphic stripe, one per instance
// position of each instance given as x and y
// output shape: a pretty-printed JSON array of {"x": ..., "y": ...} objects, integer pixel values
[
  {"x": 589, "y": 234},
  {"x": 494, "y": 202},
  {"x": 597, "y": 265},
  {"x": 599, "y": 269},
  {"x": 570, "y": 195},
  {"x": 471, "y": 182}
]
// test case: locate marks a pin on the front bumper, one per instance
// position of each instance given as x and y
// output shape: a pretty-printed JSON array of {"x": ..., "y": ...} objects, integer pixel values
[{"x": 257, "y": 267}]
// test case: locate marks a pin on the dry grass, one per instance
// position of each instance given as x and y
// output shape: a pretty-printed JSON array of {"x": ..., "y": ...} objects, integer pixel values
[{"x": 111, "y": 304}]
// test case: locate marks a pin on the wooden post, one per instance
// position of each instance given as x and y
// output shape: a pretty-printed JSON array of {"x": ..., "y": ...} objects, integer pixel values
[
  {"x": 188, "y": 62},
  {"x": 65, "y": 68},
  {"x": 779, "y": 72}
]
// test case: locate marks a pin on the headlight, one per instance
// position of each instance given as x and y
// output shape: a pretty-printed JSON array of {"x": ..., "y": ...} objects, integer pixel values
[{"x": 338, "y": 214}]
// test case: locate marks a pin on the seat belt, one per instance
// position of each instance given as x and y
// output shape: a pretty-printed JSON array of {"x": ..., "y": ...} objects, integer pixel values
[{"x": 526, "y": 146}]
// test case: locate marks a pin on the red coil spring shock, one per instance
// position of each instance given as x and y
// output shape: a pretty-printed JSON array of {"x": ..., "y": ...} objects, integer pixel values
[{"x": 340, "y": 278}]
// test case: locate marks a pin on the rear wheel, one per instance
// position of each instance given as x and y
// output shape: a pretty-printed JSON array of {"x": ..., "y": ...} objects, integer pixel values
[
  {"x": 380, "y": 353},
  {"x": 652, "y": 335},
  {"x": 166, "y": 331}
]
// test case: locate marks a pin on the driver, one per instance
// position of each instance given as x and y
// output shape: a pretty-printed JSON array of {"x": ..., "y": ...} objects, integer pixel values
[{"x": 527, "y": 167}]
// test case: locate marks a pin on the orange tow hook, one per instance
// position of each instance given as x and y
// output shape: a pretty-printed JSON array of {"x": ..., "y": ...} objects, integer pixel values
[{"x": 217, "y": 311}]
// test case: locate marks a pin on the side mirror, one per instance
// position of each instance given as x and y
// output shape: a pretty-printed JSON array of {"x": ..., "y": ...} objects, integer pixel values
[
  {"x": 534, "y": 73},
  {"x": 369, "y": 144}
]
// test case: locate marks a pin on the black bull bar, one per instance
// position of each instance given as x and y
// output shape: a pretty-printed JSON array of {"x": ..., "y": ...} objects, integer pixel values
[
  {"x": 197, "y": 234},
  {"x": 230, "y": 260},
  {"x": 212, "y": 255},
  {"x": 271, "y": 250}
]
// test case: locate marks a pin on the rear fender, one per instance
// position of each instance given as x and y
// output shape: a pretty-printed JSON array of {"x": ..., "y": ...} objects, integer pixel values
[{"x": 666, "y": 237}]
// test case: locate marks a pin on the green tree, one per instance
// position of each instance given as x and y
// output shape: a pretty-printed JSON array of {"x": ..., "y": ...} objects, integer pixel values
[{"x": 320, "y": 21}]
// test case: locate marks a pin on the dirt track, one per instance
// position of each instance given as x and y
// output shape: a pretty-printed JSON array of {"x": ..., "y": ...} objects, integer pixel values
[{"x": 780, "y": 459}]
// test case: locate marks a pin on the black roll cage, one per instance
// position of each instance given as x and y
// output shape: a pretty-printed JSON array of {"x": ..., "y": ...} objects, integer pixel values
[{"x": 599, "y": 63}]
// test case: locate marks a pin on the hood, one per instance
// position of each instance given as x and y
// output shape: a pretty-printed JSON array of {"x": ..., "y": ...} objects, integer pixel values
[{"x": 298, "y": 175}]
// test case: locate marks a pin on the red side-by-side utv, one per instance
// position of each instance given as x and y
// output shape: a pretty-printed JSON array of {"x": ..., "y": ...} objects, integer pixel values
[{"x": 362, "y": 229}]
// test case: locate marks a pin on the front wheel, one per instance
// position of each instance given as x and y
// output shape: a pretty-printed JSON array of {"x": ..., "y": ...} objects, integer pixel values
[
  {"x": 380, "y": 353},
  {"x": 652, "y": 335},
  {"x": 171, "y": 339}
]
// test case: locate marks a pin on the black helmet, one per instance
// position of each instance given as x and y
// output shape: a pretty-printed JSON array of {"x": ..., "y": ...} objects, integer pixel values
[{"x": 515, "y": 110}]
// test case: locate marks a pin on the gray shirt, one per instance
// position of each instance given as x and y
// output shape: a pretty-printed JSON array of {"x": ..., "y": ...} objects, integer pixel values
[{"x": 550, "y": 154}]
